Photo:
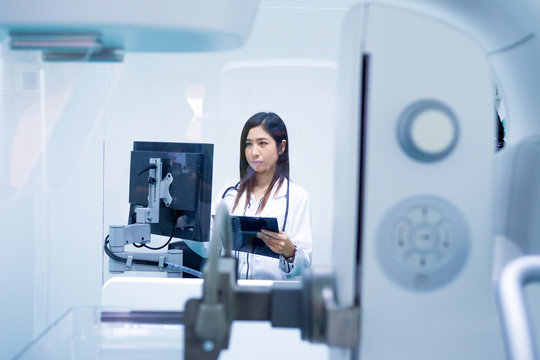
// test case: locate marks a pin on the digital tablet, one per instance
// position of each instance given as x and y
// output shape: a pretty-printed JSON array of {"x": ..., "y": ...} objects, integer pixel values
[{"x": 245, "y": 229}]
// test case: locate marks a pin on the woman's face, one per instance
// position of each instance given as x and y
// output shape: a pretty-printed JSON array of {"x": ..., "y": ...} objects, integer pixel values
[{"x": 261, "y": 151}]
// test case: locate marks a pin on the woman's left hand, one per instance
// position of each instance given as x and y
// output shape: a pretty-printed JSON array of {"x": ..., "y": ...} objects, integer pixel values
[{"x": 277, "y": 242}]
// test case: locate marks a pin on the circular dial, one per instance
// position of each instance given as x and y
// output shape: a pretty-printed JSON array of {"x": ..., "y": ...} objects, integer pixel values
[
  {"x": 427, "y": 130},
  {"x": 423, "y": 242}
]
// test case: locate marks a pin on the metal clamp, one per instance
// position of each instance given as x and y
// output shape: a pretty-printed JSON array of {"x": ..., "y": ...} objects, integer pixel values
[
  {"x": 326, "y": 321},
  {"x": 129, "y": 261},
  {"x": 311, "y": 305},
  {"x": 161, "y": 262},
  {"x": 342, "y": 323}
]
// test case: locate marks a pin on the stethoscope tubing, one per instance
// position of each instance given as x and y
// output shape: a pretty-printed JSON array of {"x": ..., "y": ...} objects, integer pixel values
[{"x": 235, "y": 187}]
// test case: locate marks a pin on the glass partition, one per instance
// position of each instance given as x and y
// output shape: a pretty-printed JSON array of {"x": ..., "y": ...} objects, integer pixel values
[
  {"x": 52, "y": 131},
  {"x": 80, "y": 334},
  {"x": 67, "y": 129}
]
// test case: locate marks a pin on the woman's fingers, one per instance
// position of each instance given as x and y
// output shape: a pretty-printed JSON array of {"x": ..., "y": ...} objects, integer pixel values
[
  {"x": 269, "y": 233},
  {"x": 280, "y": 235},
  {"x": 268, "y": 239},
  {"x": 277, "y": 242}
]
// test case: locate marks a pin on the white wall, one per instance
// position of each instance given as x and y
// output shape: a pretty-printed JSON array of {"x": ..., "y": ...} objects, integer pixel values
[
  {"x": 69, "y": 129},
  {"x": 294, "y": 76}
]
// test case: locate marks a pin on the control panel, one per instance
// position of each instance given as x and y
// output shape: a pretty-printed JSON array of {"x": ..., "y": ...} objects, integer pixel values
[{"x": 423, "y": 242}]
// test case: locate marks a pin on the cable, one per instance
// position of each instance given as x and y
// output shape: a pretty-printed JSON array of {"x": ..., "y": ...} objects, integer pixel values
[
  {"x": 149, "y": 167},
  {"x": 149, "y": 262},
  {"x": 162, "y": 246},
  {"x": 286, "y": 207},
  {"x": 185, "y": 269},
  {"x": 168, "y": 241},
  {"x": 235, "y": 187},
  {"x": 247, "y": 261}
]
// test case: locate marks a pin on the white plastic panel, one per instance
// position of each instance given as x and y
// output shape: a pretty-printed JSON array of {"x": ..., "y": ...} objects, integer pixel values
[
  {"x": 494, "y": 24},
  {"x": 163, "y": 25},
  {"x": 520, "y": 194},
  {"x": 345, "y": 224},
  {"x": 412, "y": 58}
]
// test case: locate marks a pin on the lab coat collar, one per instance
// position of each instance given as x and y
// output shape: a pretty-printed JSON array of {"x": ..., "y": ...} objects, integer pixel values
[
  {"x": 281, "y": 193},
  {"x": 282, "y": 190}
]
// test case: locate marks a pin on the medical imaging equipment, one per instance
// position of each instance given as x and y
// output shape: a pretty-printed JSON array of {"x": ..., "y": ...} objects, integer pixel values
[
  {"x": 407, "y": 248},
  {"x": 415, "y": 212},
  {"x": 170, "y": 194}
]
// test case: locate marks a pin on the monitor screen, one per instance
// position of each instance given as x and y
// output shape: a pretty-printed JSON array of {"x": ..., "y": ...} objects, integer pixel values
[{"x": 190, "y": 164}]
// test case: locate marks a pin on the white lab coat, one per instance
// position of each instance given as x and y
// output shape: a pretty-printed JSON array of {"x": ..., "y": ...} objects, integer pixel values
[{"x": 298, "y": 228}]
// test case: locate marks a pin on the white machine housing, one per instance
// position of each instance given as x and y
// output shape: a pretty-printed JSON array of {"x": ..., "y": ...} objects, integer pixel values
[
  {"x": 143, "y": 26},
  {"x": 393, "y": 59}
]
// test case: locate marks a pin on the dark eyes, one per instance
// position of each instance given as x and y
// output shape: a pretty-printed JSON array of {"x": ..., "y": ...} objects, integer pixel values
[{"x": 260, "y": 143}]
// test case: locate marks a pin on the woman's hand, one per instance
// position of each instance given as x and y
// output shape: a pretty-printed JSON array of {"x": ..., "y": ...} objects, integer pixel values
[{"x": 277, "y": 242}]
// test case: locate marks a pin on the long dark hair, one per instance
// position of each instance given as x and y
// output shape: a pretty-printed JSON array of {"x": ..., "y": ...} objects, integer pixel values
[{"x": 273, "y": 125}]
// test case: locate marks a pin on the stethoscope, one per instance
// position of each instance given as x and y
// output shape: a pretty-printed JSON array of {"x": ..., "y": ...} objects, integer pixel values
[{"x": 235, "y": 187}]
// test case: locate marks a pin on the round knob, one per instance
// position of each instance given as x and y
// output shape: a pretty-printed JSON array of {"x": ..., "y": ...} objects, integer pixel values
[{"x": 428, "y": 130}]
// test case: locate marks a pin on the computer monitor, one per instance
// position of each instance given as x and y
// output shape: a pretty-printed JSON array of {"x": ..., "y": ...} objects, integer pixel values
[{"x": 190, "y": 165}]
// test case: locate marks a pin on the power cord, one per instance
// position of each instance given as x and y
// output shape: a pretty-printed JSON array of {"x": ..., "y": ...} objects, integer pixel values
[
  {"x": 168, "y": 241},
  {"x": 162, "y": 246}
]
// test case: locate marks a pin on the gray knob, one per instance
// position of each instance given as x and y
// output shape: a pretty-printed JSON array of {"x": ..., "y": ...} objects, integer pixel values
[{"x": 427, "y": 130}]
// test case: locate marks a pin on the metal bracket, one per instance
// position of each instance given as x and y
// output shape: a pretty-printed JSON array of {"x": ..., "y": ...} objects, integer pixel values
[
  {"x": 164, "y": 192},
  {"x": 161, "y": 262},
  {"x": 310, "y": 306},
  {"x": 66, "y": 46},
  {"x": 129, "y": 261},
  {"x": 342, "y": 323},
  {"x": 158, "y": 189},
  {"x": 326, "y": 321}
]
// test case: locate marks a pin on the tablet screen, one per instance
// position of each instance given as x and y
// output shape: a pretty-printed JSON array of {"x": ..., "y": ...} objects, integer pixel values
[{"x": 245, "y": 229}]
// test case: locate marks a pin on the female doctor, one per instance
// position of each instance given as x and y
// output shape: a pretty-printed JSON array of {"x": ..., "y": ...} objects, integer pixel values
[{"x": 264, "y": 190}]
